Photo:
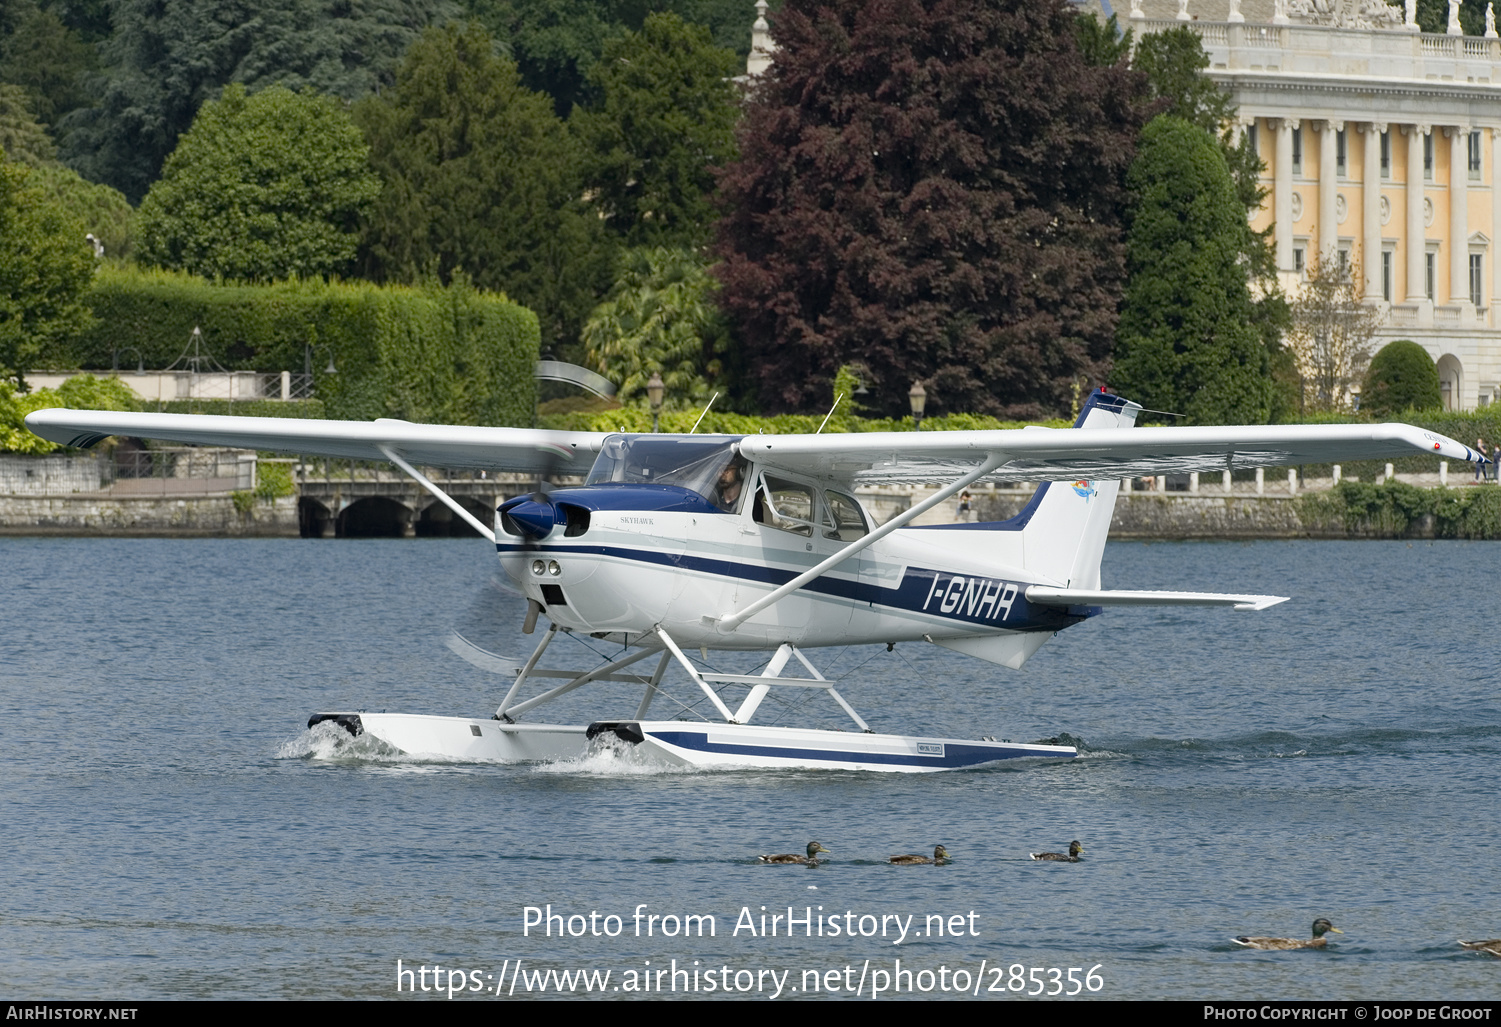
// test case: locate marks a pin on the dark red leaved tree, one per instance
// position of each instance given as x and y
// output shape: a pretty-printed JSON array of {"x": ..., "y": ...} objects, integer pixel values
[{"x": 933, "y": 188}]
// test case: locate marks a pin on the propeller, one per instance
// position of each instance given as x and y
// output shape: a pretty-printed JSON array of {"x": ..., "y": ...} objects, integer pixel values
[
  {"x": 534, "y": 517},
  {"x": 483, "y": 658}
]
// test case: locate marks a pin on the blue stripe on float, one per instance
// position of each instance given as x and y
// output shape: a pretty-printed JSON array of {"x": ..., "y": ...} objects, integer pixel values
[{"x": 956, "y": 755}]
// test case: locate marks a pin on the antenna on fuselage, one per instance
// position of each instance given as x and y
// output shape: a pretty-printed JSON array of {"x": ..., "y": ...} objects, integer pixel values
[
  {"x": 704, "y": 414},
  {"x": 830, "y": 414}
]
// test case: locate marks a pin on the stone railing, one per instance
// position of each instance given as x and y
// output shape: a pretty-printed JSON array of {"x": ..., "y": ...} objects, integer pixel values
[
  {"x": 166, "y": 386},
  {"x": 1325, "y": 50}
]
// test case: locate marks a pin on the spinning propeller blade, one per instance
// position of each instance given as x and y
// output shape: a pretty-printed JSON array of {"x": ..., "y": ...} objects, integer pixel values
[{"x": 484, "y": 659}]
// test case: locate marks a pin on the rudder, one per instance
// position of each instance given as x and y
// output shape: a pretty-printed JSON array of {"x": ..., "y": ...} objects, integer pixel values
[{"x": 1064, "y": 538}]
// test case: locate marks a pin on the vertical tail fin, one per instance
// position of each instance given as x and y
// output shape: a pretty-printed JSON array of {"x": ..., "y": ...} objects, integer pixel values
[
  {"x": 1059, "y": 536},
  {"x": 1063, "y": 538}
]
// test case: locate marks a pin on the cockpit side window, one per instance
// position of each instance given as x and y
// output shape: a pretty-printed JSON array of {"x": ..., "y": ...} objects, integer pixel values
[
  {"x": 787, "y": 505},
  {"x": 843, "y": 518}
]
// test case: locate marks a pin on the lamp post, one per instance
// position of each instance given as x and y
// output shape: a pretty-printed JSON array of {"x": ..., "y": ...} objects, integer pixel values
[
  {"x": 140, "y": 360},
  {"x": 307, "y": 360},
  {"x": 654, "y": 390},
  {"x": 917, "y": 396}
]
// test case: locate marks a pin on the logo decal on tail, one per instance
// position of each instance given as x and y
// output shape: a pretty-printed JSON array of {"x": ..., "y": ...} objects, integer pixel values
[{"x": 1084, "y": 489}]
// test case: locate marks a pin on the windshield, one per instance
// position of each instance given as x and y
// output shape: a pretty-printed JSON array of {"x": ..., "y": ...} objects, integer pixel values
[{"x": 691, "y": 463}]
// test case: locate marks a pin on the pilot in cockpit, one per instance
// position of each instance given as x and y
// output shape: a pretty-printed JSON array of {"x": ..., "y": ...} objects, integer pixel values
[{"x": 731, "y": 484}]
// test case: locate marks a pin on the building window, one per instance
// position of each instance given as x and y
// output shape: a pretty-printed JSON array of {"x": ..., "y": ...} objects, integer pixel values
[
  {"x": 1475, "y": 155},
  {"x": 1299, "y": 261},
  {"x": 1298, "y": 151},
  {"x": 1252, "y": 141},
  {"x": 1477, "y": 283},
  {"x": 1428, "y": 156},
  {"x": 1430, "y": 274},
  {"x": 1344, "y": 261},
  {"x": 1388, "y": 259},
  {"x": 1340, "y": 152},
  {"x": 1386, "y": 155}
]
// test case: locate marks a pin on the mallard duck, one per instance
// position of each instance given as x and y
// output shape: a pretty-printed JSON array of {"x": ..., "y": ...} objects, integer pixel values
[
  {"x": 1493, "y": 946},
  {"x": 940, "y": 855},
  {"x": 811, "y": 859},
  {"x": 1074, "y": 849},
  {"x": 1321, "y": 927}
]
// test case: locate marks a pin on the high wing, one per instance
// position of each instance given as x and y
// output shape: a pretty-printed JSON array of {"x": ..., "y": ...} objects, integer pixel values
[
  {"x": 1063, "y": 454},
  {"x": 874, "y": 458},
  {"x": 435, "y": 445}
]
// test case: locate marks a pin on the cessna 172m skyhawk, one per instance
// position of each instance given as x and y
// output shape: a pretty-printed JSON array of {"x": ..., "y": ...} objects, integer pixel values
[{"x": 684, "y": 542}]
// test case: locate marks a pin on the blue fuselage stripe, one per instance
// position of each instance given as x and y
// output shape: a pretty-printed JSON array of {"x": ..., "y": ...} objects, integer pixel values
[{"x": 987, "y": 602}]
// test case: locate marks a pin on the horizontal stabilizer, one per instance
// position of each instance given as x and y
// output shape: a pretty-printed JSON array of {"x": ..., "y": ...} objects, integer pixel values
[{"x": 1045, "y": 596}]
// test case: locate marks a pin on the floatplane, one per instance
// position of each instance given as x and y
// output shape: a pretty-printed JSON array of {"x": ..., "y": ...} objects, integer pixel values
[{"x": 684, "y": 543}]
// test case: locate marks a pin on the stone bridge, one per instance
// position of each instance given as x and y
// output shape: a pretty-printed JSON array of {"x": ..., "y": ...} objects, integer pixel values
[{"x": 365, "y": 503}]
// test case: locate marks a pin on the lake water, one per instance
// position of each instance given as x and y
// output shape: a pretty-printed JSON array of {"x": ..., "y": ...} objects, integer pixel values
[{"x": 172, "y": 831}]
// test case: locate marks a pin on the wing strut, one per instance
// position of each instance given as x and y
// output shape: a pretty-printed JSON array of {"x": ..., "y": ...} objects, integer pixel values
[
  {"x": 443, "y": 497},
  {"x": 730, "y": 621}
]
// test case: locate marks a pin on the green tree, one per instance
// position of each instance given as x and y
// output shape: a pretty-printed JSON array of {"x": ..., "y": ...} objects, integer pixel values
[
  {"x": 1186, "y": 342},
  {"x": 479, "y": 175},
  {"x": 104, "y": 212},
  {"x": 556, "y": 43},
  {"x": 664, "y": 121},
  {"x": 265, "y": 186},
  {"x": 22, "y": 137},
  {"x": 1102, "y": 43},
  {"x": 1402, "y": 377},
  {"x": 41, "y": 54},
  {"x": 1174, "y": 62},
  {"x": 45, "y": 266},
  {"x": 167, "y": 57},
  {"x": 659, "y": 318}
]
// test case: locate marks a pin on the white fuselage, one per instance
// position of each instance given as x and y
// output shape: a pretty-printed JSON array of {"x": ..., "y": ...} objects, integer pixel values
[{"x": 635, "y": 570}]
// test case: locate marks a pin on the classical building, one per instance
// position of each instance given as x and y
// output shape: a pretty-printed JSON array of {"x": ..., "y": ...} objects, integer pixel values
[{"x": 1381, "y": 147}]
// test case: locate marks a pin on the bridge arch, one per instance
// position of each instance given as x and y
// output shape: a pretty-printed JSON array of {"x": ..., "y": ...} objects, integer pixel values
[
  {"x": 314, "y": 519},
  {"x": 375, "y": 517},
  {"x": 438, "y": 521}
]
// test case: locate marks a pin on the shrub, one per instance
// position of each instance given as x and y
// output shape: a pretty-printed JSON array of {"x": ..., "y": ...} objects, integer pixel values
[{"x": 1402, "y": 376}]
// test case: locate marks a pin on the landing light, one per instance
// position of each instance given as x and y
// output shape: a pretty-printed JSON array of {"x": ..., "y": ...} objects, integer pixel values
[
  {"x": 538, "y": 566},
  {"x": 553, "y": 568}
]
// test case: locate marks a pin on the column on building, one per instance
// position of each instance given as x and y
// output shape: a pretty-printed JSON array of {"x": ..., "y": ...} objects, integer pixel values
[
  {"x": 1459, "y": 215},
  {"x": 1328, "y": 191},
  {"x": 1416, "y": 246},
  {"x": 1282, "y": 192},
  {"x": 1495, "y": 220},
  {"x": 1370, "y": 255}
]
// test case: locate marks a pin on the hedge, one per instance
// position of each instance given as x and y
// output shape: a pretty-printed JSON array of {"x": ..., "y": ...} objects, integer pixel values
[
  {"x": 451, "y": 355},
  {"x": 636, "y": 419},
  {"x": 1389, "y": 510}
]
